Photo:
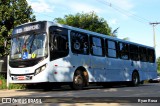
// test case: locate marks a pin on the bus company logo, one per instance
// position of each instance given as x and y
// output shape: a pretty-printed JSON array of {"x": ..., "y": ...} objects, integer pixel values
[
  {"x": 22, "y": 100},
  {"x": 6, "y": 100}
]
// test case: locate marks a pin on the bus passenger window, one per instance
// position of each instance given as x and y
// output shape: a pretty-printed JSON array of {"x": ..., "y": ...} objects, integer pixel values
[
  {"x": 123, "y": 51},
  {"x": 134, "y": 52},
  {"x": 97, "y": 46},
  {"x": 58, "y": 42},
  {"x": 111, "y": 48},
  {"x": 79, "y": 43},
  {"x": 143, "y": 54},
  {"x": 151, "y": 56}
]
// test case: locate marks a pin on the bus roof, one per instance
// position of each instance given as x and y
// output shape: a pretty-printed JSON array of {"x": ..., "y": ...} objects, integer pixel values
[
  {"x": 98, "y": 34},
  {"x": 50, "y": 23}
]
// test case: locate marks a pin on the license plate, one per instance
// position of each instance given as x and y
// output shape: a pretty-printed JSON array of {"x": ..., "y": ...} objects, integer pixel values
[{"x": 21, "y": 77}]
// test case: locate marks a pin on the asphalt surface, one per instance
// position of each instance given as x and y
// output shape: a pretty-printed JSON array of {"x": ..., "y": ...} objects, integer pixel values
[{"x": 143, "y": 95}]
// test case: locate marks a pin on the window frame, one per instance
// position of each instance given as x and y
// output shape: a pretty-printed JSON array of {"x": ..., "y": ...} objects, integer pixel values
[
  {"x": 151, "y": 55},
  {"x": 79, "y": 43},
  {"x": 102, "y": 45},
  {"x": 125, "y": 52},
  {"x": 107, "y": 48},
  {"x": 135, "y": 54},
  {"x": 51, "y": 43},
  {"x": 143, "y": 54}
]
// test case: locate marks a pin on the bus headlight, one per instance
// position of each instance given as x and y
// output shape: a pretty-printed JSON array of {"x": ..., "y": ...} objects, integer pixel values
[{"x": 40, "y": 69}]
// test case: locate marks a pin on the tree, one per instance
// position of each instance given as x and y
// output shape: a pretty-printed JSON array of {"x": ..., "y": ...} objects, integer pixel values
[
  {"x": 158, "y": 65},
  {"x": 126, "y": 39},
  {"x": 89, "y": 21},
  {"x": 12, "y": 13}
]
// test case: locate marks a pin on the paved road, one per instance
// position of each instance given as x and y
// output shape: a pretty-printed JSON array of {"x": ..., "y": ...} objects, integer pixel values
[{"x": 122, "y": 96}]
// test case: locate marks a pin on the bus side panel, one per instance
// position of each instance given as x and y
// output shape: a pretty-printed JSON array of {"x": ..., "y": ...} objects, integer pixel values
[
  {"x": 98, "y": 66},
  {"x": 149, "y": 70},
  {"x": 80, "y": 60},
  {"x": 61, "y": 70},
  {"x": 127, "y": 69},
  {"x": 115, "y": 70},
  {"x": 146, "y": 70}
]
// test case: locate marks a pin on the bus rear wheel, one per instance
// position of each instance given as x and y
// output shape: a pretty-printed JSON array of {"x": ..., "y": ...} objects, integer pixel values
[
  {"x": 78, "y": 80},
  {"x": 135, "y": 79}
]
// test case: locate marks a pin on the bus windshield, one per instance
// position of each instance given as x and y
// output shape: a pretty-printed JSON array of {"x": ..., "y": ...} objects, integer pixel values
[{"x": 28, "y": 46}]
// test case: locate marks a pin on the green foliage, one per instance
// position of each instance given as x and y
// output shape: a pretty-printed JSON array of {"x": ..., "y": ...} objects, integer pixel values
[
  {"x": 12, "y": 13},
  {"x": 126, "y": 38},
  {"x": 158, "y": 65},
  {"x": 89, "y": 21},
  {"x": 3, "y": 84}
]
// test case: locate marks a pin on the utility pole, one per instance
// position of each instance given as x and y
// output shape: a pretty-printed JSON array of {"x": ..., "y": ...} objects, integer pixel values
[{"x": 154, "y": 34}]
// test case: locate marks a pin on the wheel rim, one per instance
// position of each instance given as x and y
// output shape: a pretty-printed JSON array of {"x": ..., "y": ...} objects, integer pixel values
[
  {"x": 78, "y": 80},
  {"x": 135, "y": 79}
]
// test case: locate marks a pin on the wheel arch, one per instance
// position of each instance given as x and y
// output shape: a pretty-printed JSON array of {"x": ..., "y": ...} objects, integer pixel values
[
  {"x": 85, "y": 73},
  {"x": 135, "y": 70}
]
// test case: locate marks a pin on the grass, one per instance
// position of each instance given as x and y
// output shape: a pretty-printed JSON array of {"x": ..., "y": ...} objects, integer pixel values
[{"x": 3, "y": 84}]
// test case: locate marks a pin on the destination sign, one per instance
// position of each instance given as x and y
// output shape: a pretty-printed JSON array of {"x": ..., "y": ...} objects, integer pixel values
[{"x": 29, "y": 27}]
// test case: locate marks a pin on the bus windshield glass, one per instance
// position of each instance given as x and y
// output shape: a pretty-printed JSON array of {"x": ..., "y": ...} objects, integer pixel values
[{"x": 28, "y": 46}]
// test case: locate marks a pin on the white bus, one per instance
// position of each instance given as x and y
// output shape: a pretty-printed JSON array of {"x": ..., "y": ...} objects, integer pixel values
[{"x": 51, "y": 53}]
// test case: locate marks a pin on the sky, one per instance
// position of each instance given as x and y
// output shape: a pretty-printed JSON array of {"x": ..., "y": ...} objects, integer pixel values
[{"x": 132, "y": 17}]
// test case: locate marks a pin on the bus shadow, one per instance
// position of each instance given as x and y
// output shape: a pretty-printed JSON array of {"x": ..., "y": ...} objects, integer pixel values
[{"x": 67, "y": 88}]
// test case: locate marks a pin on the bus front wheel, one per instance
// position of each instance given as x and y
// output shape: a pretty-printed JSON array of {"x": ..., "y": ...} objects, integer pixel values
[{"x": 78, "y": 80}]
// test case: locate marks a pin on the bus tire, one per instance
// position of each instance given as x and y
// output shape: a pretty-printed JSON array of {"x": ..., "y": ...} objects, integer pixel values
[
  {"x": 135, "y": 79},
  {"x": 78, "y": 80}
]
